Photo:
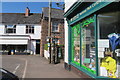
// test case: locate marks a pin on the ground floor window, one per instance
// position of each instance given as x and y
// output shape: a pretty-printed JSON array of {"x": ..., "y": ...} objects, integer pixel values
[
  {"x": 95, "y": 42},
  {"x": 14, "y": 48},
  {"x": 83, "y": 44},
  {"x": 88, "y": 45},
  {"x": 76, "y": 44},
  {"x": 109, "y": 44}
]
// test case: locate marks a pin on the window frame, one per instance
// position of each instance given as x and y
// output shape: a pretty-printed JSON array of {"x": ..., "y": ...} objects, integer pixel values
[
  {"x": 7, "y": 29},
  {"x": 30, "y": 29},
  {"x": 55, "y": 27},
  {"x": 96, "y": 51}
]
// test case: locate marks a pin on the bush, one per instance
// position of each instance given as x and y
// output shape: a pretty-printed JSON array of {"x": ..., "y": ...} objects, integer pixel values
[{"x": 45, "y": 46}]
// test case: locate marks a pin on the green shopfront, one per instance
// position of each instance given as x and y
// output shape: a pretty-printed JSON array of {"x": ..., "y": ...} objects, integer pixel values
[{"x": 94, "y": 38}]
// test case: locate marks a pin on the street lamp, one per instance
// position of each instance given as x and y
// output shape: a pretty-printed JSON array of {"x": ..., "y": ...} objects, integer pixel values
[{"x": 52, "y": 56}]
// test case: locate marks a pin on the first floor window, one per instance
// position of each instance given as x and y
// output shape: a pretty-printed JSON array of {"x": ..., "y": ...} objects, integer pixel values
[
  {"x": 10, "y": 28},
  {"x": 55, "y": 27},
  {"x": 29, "y": 29}
]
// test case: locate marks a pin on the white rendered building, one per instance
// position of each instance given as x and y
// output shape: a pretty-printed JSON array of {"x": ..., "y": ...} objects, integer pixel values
[{"x": 20, "y": 32}]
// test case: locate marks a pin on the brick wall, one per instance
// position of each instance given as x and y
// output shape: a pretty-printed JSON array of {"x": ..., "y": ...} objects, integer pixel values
[{"x": 44, "y": 33}]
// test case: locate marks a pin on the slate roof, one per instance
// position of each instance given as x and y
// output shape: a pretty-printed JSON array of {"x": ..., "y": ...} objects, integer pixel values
[
  {"x": 19, "y": 18},
  {"x": 55, "y": 13}
]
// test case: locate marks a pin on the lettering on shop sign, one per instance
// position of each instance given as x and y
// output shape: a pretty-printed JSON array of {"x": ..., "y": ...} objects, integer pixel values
[
  {"x": 84, "y": 11},
  {"x": 89, "y": 8},
  {"x": 75, "y": 17}
]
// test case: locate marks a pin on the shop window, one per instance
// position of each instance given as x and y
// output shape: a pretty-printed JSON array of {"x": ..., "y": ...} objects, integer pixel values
[
  {"x": 10, "y": 28},
  {"x": 30, "y": 29},
  {"x": 15, "y": 48},
  {"x": 109, "y": 44},
  {"x": 88, "y": 45},
  {"x": 76, "y": 44}
]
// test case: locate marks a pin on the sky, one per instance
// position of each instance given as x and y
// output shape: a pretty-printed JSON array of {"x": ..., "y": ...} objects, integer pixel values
[{"x": 19, "y": 7}]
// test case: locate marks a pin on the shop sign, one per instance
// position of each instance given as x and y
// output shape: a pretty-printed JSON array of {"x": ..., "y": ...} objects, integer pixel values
[{"x": 89, "y": 8}]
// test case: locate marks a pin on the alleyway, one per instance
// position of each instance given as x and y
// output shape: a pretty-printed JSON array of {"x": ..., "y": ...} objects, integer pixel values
[{"x": 28, "y": 66}]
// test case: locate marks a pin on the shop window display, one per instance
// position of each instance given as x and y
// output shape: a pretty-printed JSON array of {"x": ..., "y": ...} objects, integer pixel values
[
  {"x": 88, "y": 45},
  {"x": 76, "y": 44},
  {"x": 109, "y": 44}
]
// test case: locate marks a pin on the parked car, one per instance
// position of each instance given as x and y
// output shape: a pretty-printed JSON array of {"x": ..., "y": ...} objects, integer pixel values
[{"x": 6, "y": 75}]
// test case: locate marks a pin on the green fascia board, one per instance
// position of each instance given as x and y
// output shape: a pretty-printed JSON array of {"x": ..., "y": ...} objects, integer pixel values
[
  {"x": 88, "y": 69},
  {"x": 89, "y": 12},
  {"x": 76, "y": 63},
  {"x": 76, "y": 5}
]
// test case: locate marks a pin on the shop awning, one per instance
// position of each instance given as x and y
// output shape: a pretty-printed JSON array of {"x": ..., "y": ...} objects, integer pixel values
[{"x": 14, "y": 40}]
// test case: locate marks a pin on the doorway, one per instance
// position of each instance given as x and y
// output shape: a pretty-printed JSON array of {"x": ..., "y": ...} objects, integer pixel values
[{"x": 37, "y": 46}]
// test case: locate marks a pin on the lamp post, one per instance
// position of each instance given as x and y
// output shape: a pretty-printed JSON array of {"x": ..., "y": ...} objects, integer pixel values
[
  {"x": 49, "y": 30},
  {"x": 52, "y": 56}
]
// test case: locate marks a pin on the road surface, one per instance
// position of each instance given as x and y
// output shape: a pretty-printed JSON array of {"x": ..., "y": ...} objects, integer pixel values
[{"x": 31, "y": 66}]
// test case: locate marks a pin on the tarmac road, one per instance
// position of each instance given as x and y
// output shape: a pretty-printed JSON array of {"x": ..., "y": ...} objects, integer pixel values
[
  {"x": 31, "y": 66},
  {"x": 14, "y": 64}
]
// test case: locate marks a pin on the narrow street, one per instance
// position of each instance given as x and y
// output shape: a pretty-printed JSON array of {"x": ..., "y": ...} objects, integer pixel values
[{"x": 29, "y": 66}]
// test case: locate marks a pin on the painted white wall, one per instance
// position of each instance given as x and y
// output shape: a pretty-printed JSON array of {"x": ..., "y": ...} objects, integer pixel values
[
  {"x": 37, "y": 32},
  {"x": 68, "y": 4},
  {"x": 21, "y": 30},
  {"x": 66, "y": 42},
  {"x": 2, "y": 29}
]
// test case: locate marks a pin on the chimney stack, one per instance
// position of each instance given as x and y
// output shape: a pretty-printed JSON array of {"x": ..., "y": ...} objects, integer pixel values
[{"x": 27, "y": 13}]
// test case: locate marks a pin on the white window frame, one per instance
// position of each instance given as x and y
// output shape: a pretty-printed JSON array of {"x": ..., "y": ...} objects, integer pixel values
[
  {"x": 30, "y": 29},
  {"x": 55, "y": 27},
  {"x": 8, "y": 27}
]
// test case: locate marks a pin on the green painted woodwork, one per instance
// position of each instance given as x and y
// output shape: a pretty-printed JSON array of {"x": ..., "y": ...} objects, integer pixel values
[
  {"x": 75, "y": 32},
  {"x": 78, "y": 27},
  {"x": 88, "y": 69}
]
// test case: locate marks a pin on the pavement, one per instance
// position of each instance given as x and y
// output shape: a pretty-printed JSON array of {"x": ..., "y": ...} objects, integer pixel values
[{"x": 31, "y": 66}]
